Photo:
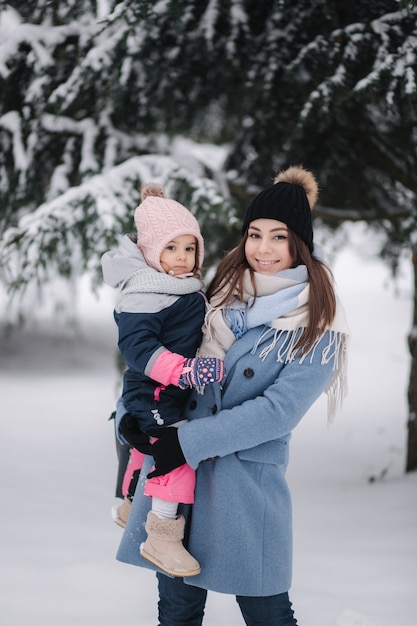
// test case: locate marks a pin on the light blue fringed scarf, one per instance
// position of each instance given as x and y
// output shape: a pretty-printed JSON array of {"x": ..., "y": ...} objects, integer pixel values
[{"x": 281, "y": 307}]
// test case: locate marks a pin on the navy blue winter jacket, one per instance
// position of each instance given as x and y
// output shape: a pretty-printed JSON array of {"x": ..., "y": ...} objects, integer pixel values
[{"x": 157, "y": 321}]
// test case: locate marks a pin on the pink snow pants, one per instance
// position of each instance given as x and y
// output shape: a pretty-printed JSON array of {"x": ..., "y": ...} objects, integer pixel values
[
  {"x": 135, "y": 463},
  {"x": 176, "y": 486}
]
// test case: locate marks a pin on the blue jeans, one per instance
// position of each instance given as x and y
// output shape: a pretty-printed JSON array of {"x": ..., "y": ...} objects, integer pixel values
[{"x": 183, "y": 605}]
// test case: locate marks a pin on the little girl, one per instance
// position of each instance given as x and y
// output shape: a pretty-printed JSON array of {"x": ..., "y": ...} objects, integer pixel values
[{"x": 159, "y": 314}]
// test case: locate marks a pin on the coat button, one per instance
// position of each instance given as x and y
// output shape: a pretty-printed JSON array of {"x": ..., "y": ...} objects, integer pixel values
[
  {"x": 193, "y": 404},
  {"x": 214, "y": 409},
  {"x": 248, "y": 372}
]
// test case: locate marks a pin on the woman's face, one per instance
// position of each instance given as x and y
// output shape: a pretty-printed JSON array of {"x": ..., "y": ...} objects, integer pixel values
[{"x": 267, "y": 246}]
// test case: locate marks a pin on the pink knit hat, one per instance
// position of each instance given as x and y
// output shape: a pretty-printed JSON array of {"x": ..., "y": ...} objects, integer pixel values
[{"x": 159, "y": 220}]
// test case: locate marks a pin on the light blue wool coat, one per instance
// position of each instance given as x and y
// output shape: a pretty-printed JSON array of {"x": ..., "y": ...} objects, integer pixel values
[{"x": 241, "y": 527}]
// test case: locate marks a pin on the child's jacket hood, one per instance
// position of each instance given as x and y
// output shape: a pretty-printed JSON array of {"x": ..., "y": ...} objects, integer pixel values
[{"x": 120, "y": 264}]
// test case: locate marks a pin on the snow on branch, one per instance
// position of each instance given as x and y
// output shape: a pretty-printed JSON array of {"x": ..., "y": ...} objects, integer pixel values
[
  {"x": 396, "y": 62},
  {"x": 68, "y": 235},
  {"x": 99, "y": 60},
  {"x": 86, "y": 127},
  {"x": 392, "y": 63},
  {"x": 41, "y": 41},
  {"x": 11, "y": 122}
]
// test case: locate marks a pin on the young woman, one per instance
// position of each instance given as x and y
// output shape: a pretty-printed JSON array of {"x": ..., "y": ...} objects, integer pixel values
[{"x": 274, "y": 317}]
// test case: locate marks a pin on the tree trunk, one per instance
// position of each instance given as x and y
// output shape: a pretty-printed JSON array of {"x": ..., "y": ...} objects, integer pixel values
[{"x": 411, "y": 464}]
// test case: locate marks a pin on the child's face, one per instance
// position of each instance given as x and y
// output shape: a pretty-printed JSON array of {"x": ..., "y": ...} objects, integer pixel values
[
  {"x": 267, "y": 247},
  {"x": 179, "y": 255}
]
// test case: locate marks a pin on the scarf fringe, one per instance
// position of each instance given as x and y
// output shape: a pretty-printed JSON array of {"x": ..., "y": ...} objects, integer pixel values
[
  {"x": 335, "y": 350},
  {"x": 337, "y": 389}
]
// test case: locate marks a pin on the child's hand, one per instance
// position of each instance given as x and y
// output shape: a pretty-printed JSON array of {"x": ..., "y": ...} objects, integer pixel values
[
  {"x": 201, "y": 371},
  {"x": 129, "y": 428}
]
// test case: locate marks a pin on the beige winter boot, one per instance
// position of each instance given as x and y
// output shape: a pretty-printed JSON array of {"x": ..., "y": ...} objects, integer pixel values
[
  {"x": 121, "y": 514},
  {"x": 164, "y": 548}
]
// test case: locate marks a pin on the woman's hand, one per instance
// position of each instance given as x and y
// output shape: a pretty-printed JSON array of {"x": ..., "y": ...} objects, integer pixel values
[{"x": 166, "y": 452}]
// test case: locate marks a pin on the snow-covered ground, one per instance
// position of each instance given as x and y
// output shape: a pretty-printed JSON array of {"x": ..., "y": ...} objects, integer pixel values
[{"x": 355, "y": 511}]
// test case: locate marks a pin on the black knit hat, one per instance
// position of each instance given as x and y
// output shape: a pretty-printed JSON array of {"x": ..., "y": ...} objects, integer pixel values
[{"x": 284, "y": 202}]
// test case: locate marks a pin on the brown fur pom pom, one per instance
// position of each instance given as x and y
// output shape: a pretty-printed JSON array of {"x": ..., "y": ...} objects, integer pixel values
[
  {"x": 152, "y": 189},
  {"x": 297, "y": 175}
]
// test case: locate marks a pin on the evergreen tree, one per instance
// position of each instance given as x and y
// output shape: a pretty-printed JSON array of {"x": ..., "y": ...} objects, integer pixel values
[
  {"x": 88, "y": 88},
  {"x": 332, "y": 84}
]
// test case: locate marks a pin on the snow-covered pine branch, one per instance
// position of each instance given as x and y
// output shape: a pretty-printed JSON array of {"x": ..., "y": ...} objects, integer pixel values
[{"x": 68, "y": 235}]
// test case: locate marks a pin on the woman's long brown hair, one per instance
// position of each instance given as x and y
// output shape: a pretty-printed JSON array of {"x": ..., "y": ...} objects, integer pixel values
[{"x": 322, "y": 300}]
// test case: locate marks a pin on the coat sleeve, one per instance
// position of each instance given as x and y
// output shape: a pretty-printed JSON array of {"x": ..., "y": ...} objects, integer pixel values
[
  {"x": 143, "y": 351},
  {"x": 272, "y": 414}
]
